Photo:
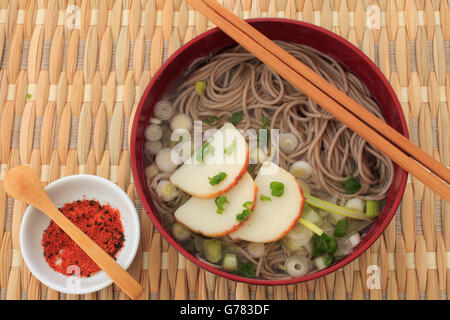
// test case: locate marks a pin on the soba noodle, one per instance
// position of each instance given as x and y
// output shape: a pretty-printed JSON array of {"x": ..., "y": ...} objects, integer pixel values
[{"x": 235, "y": 81}]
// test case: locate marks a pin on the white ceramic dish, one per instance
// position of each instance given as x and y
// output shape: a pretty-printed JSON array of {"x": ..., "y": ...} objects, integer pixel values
[{"x": 69, "y": 189}]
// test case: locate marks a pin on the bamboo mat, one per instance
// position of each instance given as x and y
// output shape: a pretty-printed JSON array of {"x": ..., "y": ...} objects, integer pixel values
[{"x": 71, "y": 70}]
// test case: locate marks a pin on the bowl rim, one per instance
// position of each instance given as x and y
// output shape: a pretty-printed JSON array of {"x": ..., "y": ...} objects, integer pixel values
[
  {"x": 85, "y": 178},
  {"x": 359, "y": 250}
]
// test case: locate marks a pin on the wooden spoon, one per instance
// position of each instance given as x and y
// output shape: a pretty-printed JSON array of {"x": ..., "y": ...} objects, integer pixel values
[{"x": 23, "y": 184}]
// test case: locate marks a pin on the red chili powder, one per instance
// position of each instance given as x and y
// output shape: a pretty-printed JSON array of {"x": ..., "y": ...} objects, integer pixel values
[{"x": 101, "y": 223}]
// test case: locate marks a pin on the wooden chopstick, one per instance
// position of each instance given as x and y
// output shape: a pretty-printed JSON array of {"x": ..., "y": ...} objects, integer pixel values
[
  {"x": 249, "y": 39},
  {"x": 351, "y": 105}
]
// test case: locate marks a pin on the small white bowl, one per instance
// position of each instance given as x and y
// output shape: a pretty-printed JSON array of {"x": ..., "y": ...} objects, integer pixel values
[{"x": 70, "y": 189}]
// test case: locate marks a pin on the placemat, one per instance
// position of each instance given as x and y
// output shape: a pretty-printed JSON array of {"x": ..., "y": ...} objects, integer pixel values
[{"x": 71, "y": 76}]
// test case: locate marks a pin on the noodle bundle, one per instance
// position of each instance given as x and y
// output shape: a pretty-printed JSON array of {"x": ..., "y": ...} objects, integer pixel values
[
  {"x": 234, "y": 81},
  {"x": 237, "y": 81}
]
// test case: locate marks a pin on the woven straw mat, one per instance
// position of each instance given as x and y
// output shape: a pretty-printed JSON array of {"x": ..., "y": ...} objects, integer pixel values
[{"x": 70, "y": 70}]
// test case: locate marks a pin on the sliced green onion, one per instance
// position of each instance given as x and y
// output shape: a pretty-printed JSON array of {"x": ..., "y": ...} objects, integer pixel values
[
  {"x": 311, "y": 215},
  {"x": 217, "y": 178},
  {"x": 246, "y": 270},
  {"x": 243, "y": 215},
  {"x": 220, "y": 202},
  {"x": 291, "y": 246},
  {"x": 323, "y": 262},
  {"x": 236, "y": 117},
  {"x": 213, "y": 250},
  {"x": 320, "y": 262},
  {"x": 277, "y": 188},
  {"x": 330, "y": 244},
  {"x": 372, "y": 208},
  {"x": 324, "y": 244},
  {"x": 331, "y": 207},
  {"x": 230, "y": 248},
  {"x": 212, "y": 120},
  {"x": 329, "y": 260},
  {"x": 311, "y": 226},
  {"x": 263, "y": 137},
  {"x": 256, "y": 250},
  {"x": 355, "y": 204},
  {"x": 300, "y": 235},
  {"x": 230, "y": 262},
  {"x": 265, "y": 122},
  {"x": 265, "y": 198},
  {"x": 205, "y": 149},
  {"x": 230, "y": 149},
  {"x": 351, "y": 185},
  {"x": 198, "y": 243},
  {"x": 29, "y": 95},
  {"x": 200, "y": 87},
  {"x": 341, "y": 228},
  {"x": 317, "y": 245},
  {"x": 180, "y": 232},
  {"x": 248, "y": 204}
]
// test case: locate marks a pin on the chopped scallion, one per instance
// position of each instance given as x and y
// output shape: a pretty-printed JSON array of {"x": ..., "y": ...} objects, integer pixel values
[
  {"x": 200, "y": 87},
  {"x": 246, "y": 270},
  {"x": 230, "y": 262},
  {"x": 324, "y": 244},
  {"x": 243, "y": 215},
  {"x": 246, "y": 212},
  {"x": 205, "y": 149},
  {"x": 236, "y": 117},
  {"x": 341, "y": 228},
  {"x": 320, "y": 262},
  {"x": 330, "y": 244},
  {"x": 265, "y": 198},
  {"x": 265, "y": 122},
  {"x": 311, "y": 226},
  {"x": 217, "y": 178},
  {"x": 351, "y": 185},
  {"x": 229, "y": 150},
  {"x": 331, "y": 207},
  {"x": 277, "y": 188},
  {"x": 220, "y": 202},
  {"x": 372, "y": 208},
  {"x": 329, "y": 260},
  {"x": 213, "y": 250},
  {"x": 212, "y": 120},
  {"x": 248, "y": 204}
]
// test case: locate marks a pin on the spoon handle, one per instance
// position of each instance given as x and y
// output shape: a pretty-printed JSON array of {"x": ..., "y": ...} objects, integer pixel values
[{"x": 120, "y": 276}]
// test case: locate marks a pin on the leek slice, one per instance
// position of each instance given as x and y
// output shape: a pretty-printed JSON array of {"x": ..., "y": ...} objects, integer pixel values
[
  {"x": 311, "y": 215},
  {"x": 230, "y": 262},
  {"x": 372, "y": 208},
  {"x": 213, "y": 250},
  {"x": 331, "y": 207},
  {"x": 311, "y": 226}
]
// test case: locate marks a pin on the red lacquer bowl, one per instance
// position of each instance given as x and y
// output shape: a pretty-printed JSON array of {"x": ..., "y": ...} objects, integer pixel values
[{"x": 275, "y": 29}]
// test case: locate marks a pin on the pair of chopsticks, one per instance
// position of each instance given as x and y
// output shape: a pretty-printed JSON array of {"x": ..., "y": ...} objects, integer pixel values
[{"x": 380, "y": 135}]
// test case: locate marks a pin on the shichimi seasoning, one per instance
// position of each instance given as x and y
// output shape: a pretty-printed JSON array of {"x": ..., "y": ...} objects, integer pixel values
[{"x": 100, "y": 222}]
